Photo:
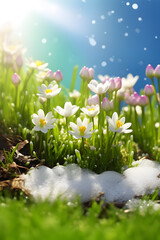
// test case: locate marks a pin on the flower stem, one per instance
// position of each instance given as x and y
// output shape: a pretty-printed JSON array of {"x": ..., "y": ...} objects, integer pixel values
[{"x": 100, "y": 120}]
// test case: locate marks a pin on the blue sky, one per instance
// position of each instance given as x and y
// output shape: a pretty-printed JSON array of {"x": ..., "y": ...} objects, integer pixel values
[{"x": 116, "y": 37}]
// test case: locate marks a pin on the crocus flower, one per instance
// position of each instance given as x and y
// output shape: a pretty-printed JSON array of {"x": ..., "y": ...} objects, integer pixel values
[
  {"x": 94, "y": 100},
  {"x": 87, "y": 73},
  {"x": 148, "y": 90},
  {"x": 118, "y": 125},
  {"x": 43, "y": 123},
  {"x": 16, "y": 79},
  {"x": 58, "y": 77},
  {"x": 106, "y": 104},
  {"x": 48, "y": 92},
  {"x": 149, "y": 71},
  {"x": 118, "y": 83},
  {"x": 68, "y": 109},
  {"x": 143, "y": 101},
  {"x": 133, "y": 99},
  {"x": 98, "y": 88},
  {"x": 74, "y": 94},
  {"x": 82, "y": 129},
  {"x": 157, "y": 72},
  {"x": 91, "y": 111}
]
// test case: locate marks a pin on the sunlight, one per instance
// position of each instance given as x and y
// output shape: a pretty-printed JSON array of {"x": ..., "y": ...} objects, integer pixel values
[{"x": 14, "y": 12}]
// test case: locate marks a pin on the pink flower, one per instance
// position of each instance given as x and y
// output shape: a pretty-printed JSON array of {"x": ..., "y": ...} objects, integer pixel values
[
  {"x": 58, "y": 76},
  {"x": 118, "y": 83},
  {"x": 157, "y": 72},
  {"x": 148, "y": 90},
  {"x": 87, "y": 73},
  {"x": 143, "y": 101},
  {"x": 150, "y": 71},
  {"x": 94, "y": 100},
  {"x": 16, "y": 79},
  {"x": 106, "y": 104}
]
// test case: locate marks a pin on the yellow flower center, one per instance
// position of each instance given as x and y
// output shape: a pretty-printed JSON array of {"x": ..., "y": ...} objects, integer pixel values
[
  {"x": 119, "y": 124},
  {"x": 82, "y": 130},
  {"x": 42, "y": 121},
  {"x": 91, "y": 109},
  {"x": 38, "y": 63},
  {"x": 48, "y": 90},
  {"x": 12, "y": 47}
]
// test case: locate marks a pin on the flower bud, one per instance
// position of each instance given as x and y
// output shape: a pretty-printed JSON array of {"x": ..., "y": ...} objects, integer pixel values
[
  {"x": 84, "y": 74},
  {"x": 91, "y": 73},
  {"x": 118, "y": 83},
  {"x": 106, "y": 104},
  {"x": 143, "y": 101},
  {"x": 149, "y": 71},
  {"x": 157, "y": 72},
  {"x": 49, "y": 75},
  {"x": 148, "y": 90},
  {"x": 16, "y": 79},
  {"x": 112, "y": 84},
  {"x": 94, "y": 100},
  {"x": 58, "y": 76}
]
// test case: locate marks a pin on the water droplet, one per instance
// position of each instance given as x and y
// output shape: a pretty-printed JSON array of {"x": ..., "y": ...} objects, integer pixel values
[
  {"x": 111, "y": 59},
  {"x": 49, "y": 54},
  {"x": 156, "y": 37},
  {"x": 103, "y": 64},
  {"x": 141, "y": 63},
  {"x": 126, "y": 34},
  {"x": 140, "y": 19},
  {"x": 137, "y": 30},
  {"x": 145, "y": 78},
  {"x": 145, "y": 49},
  {"x": 127, "y": 3},
  {"x": 135, "y": 6},
  {"x": 111, "y": 12},
  {"x": 105, "y": 32},
  {"x": 103, "y": 46},
  {"x": 93, "y": 21},
  {"x": 44, "y": 40},
  {"x": 120, "y": 20},
  {"x": 102, "y": 17},
  {"x": 92, "y": 41},
  {"x": 84, "y": 1},
  {"x": 94, "y": 66}
]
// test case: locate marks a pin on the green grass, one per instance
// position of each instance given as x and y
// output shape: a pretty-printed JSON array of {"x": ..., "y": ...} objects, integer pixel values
[{"x": 58, "y": 221}]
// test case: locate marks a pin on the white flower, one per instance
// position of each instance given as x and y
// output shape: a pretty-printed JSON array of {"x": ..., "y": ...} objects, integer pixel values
[
  {"x": 38, "y": 65},
  {"x": 116, "y": 125},
  {"x": 82, "y": 129},
  {"x": 68, "y": 110},
  {"x": 103, "y": 78},
  {"x": 129, "y": 82},
  {"x": 43, "y": 123},
  {"x": 40, "y": 76},
  {"x": 98, "y": 88},
  {"x": 16, "y": 49},
  {"x": 74, "y": 94},
  {"x": 48, "y": 92},
  {"x": 91, "y": 111}
]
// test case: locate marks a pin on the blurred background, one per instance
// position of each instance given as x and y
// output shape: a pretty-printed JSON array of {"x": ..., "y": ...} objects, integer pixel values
[{"x": 115, "y": 37}]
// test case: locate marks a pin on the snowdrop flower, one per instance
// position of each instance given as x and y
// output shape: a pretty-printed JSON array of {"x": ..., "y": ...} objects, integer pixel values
[
  {"x": 129, "y": 82},
  {"x": 82, "y": 129},
  {"x": 68, "y": 109},
  {"x": 48, "y": 92},
  {"x": 74, "y": 94},
  {"x": 37, "y": 65},
  {"x": 43, "y": 123},
  {"x": 98, "y": 88},
  {"x": 91, "y": 111},
  {"x": 119, "y": 126}
]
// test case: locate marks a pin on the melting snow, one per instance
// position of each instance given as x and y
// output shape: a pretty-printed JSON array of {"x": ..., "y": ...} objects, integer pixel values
[{"x": 71, "y": 181}]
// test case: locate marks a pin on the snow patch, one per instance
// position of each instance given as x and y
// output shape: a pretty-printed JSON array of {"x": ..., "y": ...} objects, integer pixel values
[{"x": 68, "y": 182}]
